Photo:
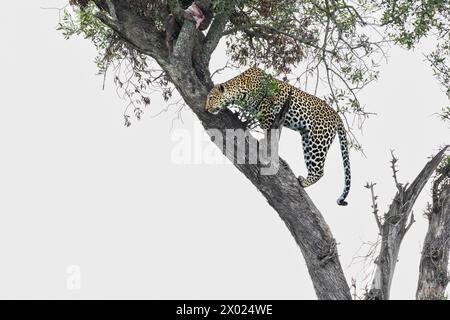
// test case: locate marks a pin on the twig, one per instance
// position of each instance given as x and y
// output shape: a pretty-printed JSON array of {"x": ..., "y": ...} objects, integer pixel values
[
  {"x": 411, "y": 221},
  {"x": 374, "y": 205},
  {"x": 394, "y": 170}
]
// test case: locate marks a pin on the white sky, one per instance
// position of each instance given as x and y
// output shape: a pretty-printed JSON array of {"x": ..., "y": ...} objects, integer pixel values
[{"x": 78, "y": 188}]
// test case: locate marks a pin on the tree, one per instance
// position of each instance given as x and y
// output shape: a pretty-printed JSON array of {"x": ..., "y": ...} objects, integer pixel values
[{"x": 339, "y": 42}]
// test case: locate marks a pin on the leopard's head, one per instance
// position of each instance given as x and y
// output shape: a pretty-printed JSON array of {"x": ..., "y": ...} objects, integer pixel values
[{"x": 217, "y": 99}]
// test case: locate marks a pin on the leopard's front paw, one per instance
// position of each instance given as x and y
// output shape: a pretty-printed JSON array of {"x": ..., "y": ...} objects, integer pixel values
[{"x": 302, "y": 181}]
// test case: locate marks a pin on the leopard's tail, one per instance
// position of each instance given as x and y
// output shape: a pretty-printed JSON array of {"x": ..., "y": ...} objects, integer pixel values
[{"x": 345, "y": 157}]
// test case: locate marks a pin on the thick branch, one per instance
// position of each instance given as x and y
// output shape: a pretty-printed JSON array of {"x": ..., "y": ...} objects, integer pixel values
[
  {"x": 135, "y": 30},
  {"x": 273, "y": 134},
  {"x": 281, "y": 116},
  {"x": 433, "y": 275},
  {"x": 397, "y": 222},
  {"x": 182, "y": 52},
  {"x": 215, "y": 34}
]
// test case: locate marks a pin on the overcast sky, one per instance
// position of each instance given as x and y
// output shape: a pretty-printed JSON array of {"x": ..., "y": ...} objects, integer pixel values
[{"x": 79, "y": 189}]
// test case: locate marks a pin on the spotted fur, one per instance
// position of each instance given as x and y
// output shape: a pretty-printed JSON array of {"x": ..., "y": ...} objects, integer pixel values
[{"x": 316, "y": 121}]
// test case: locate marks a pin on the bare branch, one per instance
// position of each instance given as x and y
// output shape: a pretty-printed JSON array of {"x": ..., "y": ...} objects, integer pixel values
[
  {"x": 274, "y": 132},
  {"x": 374, "y": 204},
  {"x": 394, "y": 170},
  {"x": 258, "y": 27},
  {"x": 215, "y": 34},
  {"x": 417, "y": 185},
  {"x": 281, "y": 116}
]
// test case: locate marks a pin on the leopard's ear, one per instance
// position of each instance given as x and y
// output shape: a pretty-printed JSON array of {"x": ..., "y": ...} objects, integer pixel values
[{"x": 221, "y": 88}]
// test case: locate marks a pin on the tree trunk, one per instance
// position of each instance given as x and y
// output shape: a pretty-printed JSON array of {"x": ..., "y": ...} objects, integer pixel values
[{"x": 433, "y": 276}]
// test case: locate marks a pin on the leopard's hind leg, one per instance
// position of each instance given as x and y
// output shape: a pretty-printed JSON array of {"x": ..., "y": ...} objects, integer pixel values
[{"x": 315, "y": 149}]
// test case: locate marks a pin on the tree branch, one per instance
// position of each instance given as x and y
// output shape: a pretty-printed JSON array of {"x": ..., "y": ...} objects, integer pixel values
[
  {"x": 395, "y": 227},
  {"x": 281, "y": 116},
  {"x": 374, "y": 204},
  {"x": 271, "y": 29},
  {"x": 215, "y": 34},
  {"x": 273, "y": 134},
  {"x": 182, "y": 52},
  {"x": 135, "y": 30},
  {"x": 394, "y": 170}
]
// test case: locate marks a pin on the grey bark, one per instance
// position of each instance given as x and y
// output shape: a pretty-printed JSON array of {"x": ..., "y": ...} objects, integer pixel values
[
  {"x": 433, "y": 274},
  {"x": 396, "y": 224}
]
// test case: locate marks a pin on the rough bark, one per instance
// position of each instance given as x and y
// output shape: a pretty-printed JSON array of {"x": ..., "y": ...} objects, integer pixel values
[
  {"x": 433, "y": 274},
  {"x": 396, "y": 224}
]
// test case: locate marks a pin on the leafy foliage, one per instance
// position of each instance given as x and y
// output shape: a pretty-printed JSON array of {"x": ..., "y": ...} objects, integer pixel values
[
  {"x": 440, "y": 62},
  {"x": 445, "y": 114},
  {"x": 338, "y": 44},
  {"x": 83, "y": 22},
  {"x": 444, "y": 168},
  {"x": 135, "y": 75},
  {"x": 410, "y": 21}
]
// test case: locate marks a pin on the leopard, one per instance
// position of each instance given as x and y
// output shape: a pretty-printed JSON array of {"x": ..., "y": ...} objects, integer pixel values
[{"x": 315, "y": 120}]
